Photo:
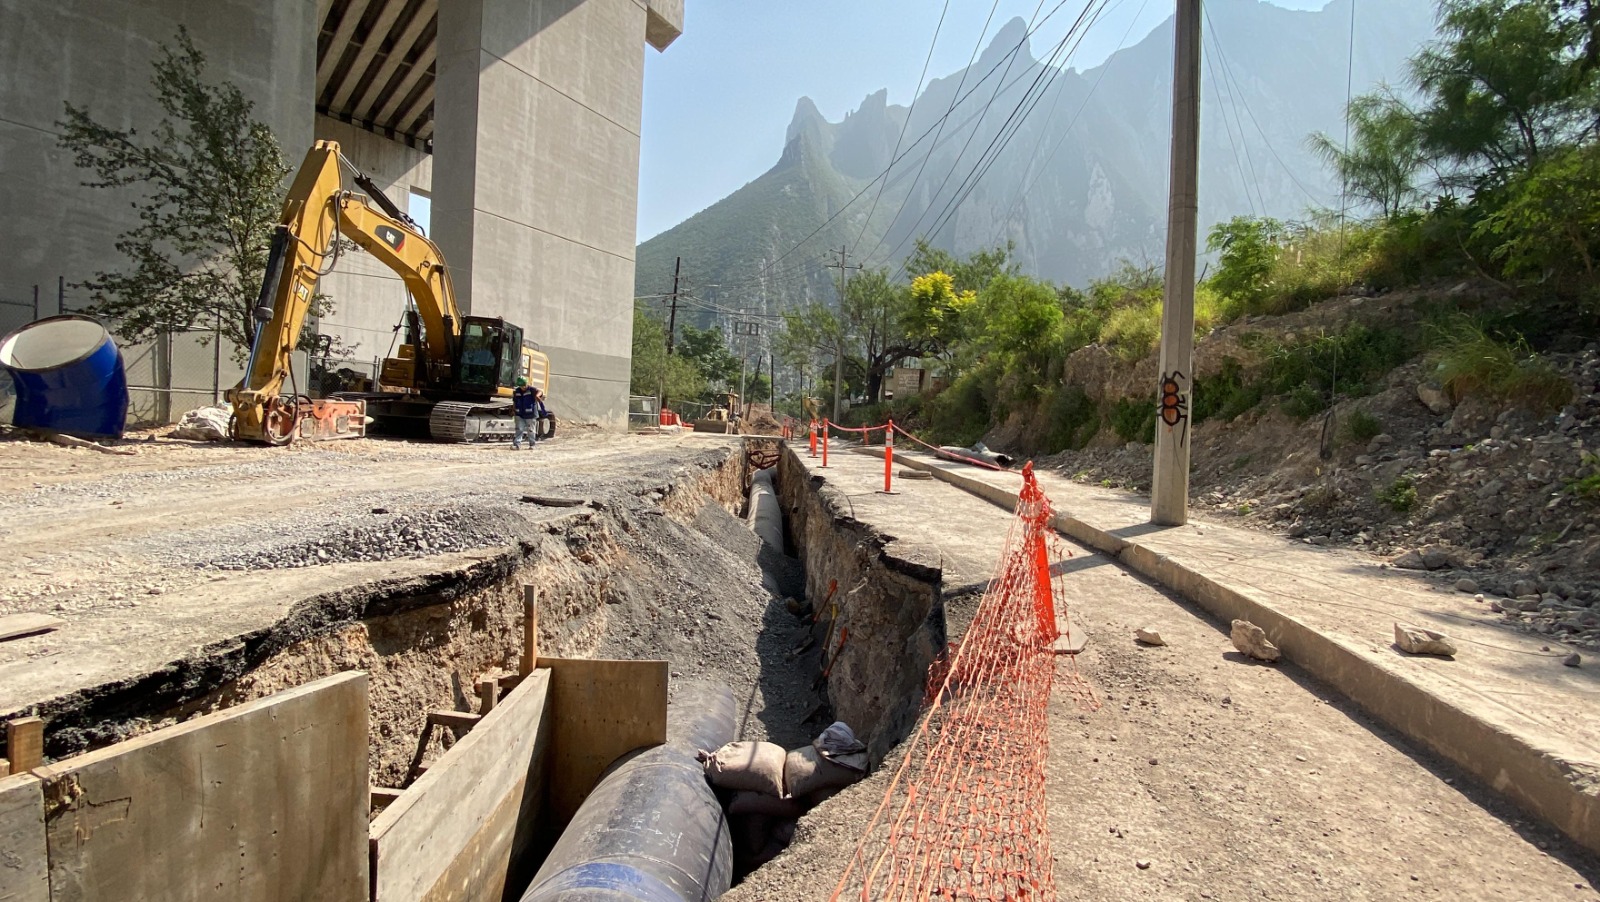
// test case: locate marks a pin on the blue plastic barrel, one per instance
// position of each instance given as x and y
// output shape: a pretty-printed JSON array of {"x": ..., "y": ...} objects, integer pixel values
[{"x": 69, "y": 377}]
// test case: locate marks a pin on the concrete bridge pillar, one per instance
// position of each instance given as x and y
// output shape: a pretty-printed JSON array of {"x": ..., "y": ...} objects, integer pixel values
[{"x": 536, "y": 177}]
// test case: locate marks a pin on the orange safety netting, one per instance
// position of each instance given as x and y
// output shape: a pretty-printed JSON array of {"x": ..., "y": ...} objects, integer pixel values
[{"x": 964, "y": 815}]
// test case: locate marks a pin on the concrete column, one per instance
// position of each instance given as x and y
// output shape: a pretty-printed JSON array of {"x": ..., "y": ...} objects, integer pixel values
[{"x": 536, "y": 176}]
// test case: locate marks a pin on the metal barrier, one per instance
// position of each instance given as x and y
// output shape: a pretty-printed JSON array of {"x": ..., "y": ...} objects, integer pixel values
[{"x": 644, "y": 412}]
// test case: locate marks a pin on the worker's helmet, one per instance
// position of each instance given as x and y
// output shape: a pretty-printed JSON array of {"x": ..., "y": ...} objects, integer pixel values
[{"x": 522, "y": 383}]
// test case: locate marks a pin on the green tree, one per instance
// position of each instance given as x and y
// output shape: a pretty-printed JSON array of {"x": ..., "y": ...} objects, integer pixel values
[
  {"x": 1508, "y": 81},
  {"x": 1385, "y": 155},
  {"x": 973, "y": 273},
  {"x": 1549, "y": 225},
  {"x": 813, "y": 336},
  {"x": 707, "y": 350},
  {"x": 1247, "y": 248},
  {"x": 212, "y": 176},
  {"x": 655, "y": 372}
]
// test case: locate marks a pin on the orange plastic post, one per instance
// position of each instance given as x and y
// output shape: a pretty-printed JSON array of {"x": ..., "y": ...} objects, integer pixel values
[
  {"x": 824, "y": 441},
  {"x": 813, "y": 438},
  {"x": 888, "y": 458}
]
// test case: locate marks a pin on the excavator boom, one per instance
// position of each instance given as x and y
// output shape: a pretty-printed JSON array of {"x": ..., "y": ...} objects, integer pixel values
[{"x": 317, "y": 211}]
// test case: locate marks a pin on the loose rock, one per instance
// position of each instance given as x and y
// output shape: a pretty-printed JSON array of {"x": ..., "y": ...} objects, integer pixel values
[
  {"x": 1252, "y": 640},
  {"x": 1467, "y": 586},
  {"x": 1148, "y": 636},
  {"x": 1573, "y": 660},
  {"x": 1418, "y": 641}
]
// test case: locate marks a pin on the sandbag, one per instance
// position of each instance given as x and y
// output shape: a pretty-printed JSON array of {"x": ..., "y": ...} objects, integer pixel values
[
  {"x": 747, "y": 802},
  {"x": 755, "y": 766},
  {"x": 805, "y": 771}
]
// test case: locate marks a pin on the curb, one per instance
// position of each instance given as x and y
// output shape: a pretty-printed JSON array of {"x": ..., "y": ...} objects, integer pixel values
[{"x": 1540, "y": 781}]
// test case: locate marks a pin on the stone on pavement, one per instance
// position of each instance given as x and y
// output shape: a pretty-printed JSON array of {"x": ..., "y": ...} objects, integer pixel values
[
  {"x": 1252, "y": 640},
  {"x": 1418, "y": 641}
]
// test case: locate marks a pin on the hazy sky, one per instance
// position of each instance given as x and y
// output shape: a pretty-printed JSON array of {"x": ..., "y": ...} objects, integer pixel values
[{"x": 717, "y": 102}]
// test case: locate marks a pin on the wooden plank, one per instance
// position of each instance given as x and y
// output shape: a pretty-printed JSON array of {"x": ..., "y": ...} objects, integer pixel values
[
  {"x": 25, "y": 743},
  {"x": 264, "y": 801},
  {"x": 460, "y": 721},
  {"x": 488, "y": 694},
  {"x": 530, "y": 630},
  {"x": 455, "y": 833},
  {"x": 15, "y": 626},
  {"x": 603, "y": 710},
  {"x": 383, "y": 796},
  {"x": 24, "y": 864}
]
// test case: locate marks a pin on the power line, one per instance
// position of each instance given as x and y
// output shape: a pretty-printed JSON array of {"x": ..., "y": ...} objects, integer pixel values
[
  {"x": 1227, "y": 71},
  {"x": 916, "y": 96},
  {"x": 1047, "y": 74},
  {"x": 907, "y": 152},
  {"x": 1028, "y": 182},
  {"x": 1019, "y": 115}
]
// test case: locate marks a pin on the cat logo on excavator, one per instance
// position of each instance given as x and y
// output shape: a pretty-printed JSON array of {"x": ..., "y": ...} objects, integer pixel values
[{"x": 391, "y": 236}]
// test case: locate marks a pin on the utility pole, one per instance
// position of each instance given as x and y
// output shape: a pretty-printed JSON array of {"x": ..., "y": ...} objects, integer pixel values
[
  {"x": 672, "y": 318},
  {"x": 1169, "y": 496},
  {"x": 838, "y": 348}
]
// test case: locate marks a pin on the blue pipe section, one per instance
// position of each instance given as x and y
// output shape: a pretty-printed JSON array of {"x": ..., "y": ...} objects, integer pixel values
[
  {"x": 652, "y": 830},
  {"x": 68, "y": 376}
]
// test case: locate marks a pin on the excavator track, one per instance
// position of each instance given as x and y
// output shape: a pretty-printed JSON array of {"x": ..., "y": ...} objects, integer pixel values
[{"x": 465, "y": 421}]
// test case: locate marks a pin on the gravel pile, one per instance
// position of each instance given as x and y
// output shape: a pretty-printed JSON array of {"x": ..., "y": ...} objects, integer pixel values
[{"x": 383, "y": 537}]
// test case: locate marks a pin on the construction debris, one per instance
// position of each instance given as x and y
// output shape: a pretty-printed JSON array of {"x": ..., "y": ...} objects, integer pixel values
[
  {"x": 1252, "y": 640},
  {"x": 203, "y": 424},
  {"x": 15, "y": 626},
  {"x": 1148, "y": 636}
]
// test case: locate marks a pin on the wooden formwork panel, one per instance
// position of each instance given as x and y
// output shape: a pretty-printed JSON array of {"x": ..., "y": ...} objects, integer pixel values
[
  {"x": 24, "y": 874},
  {"x": 456, "y": 832},
  {"x": 603, "y": 710},
  {"x": 264, "y": 801}
]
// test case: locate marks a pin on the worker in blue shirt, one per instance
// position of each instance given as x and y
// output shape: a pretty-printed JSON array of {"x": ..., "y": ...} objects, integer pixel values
[{"x": 525, "y": 398}]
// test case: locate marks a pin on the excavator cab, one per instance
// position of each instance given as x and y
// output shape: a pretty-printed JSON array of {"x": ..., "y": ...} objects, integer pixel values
[{"x": 491, "y": 356}]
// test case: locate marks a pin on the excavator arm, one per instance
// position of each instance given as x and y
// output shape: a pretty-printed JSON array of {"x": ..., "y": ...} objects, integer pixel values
[{"x": 317, "y": 211}]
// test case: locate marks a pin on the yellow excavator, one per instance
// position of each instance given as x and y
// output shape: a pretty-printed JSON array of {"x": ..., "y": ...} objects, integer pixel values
[{"x": 452, "y": 378}]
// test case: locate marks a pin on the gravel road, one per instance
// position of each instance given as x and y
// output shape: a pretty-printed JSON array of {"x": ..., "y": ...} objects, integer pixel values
[{"x": 87, "y": 532}]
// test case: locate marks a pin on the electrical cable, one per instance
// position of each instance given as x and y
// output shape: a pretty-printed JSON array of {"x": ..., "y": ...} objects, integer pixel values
[
  {"x": 1047, "y": 73},
  {"x": 973, "y": 133},
  {"x": 1227, "y": 70},
  {"x": 916, "y": 96},
  {"x": 1003, "y": 138},
  {"x": 1029, "y": 181},
  {"x": 771, "y": 267}
]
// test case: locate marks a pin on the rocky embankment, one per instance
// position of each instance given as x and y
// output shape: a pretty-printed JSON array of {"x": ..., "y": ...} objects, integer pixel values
[{"x": 1495, "y": 500}]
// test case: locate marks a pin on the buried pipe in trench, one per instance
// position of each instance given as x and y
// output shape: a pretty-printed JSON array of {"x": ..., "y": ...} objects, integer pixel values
[
  {"x": 651, "y": 831},
  {"x": 764, "y": 515}
]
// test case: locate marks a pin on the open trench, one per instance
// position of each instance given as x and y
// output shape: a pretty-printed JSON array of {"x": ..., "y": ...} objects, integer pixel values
[{"x": 840, "y": 625}]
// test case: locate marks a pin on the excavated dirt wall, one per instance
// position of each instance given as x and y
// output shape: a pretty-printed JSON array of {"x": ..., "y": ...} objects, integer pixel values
[
  {"x": 879, "y": 607},
  {"x": 425, "y": 641}
]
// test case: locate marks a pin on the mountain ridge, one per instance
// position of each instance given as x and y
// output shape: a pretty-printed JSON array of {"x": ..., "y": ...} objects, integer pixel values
[{"x": 1081, "y": 184}]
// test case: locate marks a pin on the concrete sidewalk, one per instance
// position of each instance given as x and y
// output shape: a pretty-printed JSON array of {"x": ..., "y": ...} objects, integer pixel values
[{"x": 1505, "y": 709}]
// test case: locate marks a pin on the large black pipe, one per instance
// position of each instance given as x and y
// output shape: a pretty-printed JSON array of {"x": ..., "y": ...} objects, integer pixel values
[{"x": 651, "y": 831}]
